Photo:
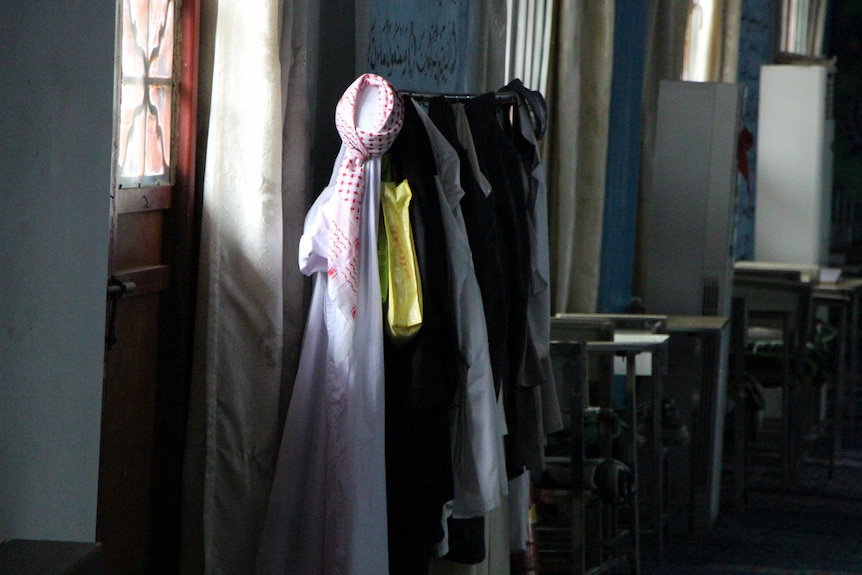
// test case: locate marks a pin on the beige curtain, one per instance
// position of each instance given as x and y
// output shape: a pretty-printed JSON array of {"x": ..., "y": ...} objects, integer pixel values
[
  {"x": 669, "y": 56},
  {"x": 579, "y": 91},
  {"x": 487, "y": 71},
  {"x": 712, "y": 40},
  {"x": 665, "y": 53},
  {"x": 250, "y": 299},
  {"x": 731, "y": 22},
  {"x": 529, "y": 50},
  {"x": 803, "y": 27}
]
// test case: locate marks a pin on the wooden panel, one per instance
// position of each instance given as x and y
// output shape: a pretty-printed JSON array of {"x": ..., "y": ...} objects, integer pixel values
[
  {"x": 127, "y": 436},
  {"x": 138, "y": 241},
  {"x": 180, "y": 251},
  {"x": 130, "y": 200},
  {"x": 146, "y": 280},
  {"x": 149, "y": 368}
]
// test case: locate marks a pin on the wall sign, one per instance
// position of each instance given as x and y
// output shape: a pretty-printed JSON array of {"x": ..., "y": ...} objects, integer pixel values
[{"x": 419, "y": 45}]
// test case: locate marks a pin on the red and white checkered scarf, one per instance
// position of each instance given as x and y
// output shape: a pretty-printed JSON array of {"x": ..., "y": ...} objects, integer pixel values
[{"x": 360, "y": 146}]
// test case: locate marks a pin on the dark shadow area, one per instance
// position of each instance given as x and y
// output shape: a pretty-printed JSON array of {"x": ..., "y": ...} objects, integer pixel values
[{"x": 814, "y": 528}]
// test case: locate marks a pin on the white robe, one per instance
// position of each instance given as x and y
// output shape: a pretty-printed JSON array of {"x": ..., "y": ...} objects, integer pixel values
[{"x": 327, "y": 509}]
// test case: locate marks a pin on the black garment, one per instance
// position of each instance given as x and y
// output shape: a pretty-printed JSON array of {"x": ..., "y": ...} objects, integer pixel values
[
  {"x": 434, "y": 353},
  {"x": 537, "y": 369},
  {"x": 501, "y": 164},
  {"x": 527, "y": 152},
  {"x": 480, "y": 220},
  {"x": 535, "y": 103},
  {"x": 417, "y": 464},
  {"x": 528, "y": 439},
  {"x": 467, "y": 535},
  {"x": 420, "y": 375},
  {"x": 466, "y": 540}
]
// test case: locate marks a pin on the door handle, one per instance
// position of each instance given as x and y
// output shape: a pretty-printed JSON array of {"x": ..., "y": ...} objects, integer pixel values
[{"x": 116, "y": 289}]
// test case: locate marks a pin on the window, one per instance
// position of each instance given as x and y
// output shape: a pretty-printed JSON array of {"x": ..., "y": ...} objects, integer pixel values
[
  {"x": 147, "y": 93},
  {"x": 528, "y": 50},
  {"x": 803, "y": 25}
]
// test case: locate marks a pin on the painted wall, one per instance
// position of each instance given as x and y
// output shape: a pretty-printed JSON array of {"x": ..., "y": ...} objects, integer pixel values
[
  {"x": 419, "y": 45},
  {"x": 56, "y": 69}
]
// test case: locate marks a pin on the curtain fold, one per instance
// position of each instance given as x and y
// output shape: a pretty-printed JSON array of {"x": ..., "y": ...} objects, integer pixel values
[
  {"x": 713, "y": 40},
  {"x": 665, "y": 53},
  {"x": 529, "y": 55},
  {"x": 254, "y": 200},
  {"x": 487, "y": 72},
  {"x": 579, "y": 91},
  {"x": 296, "y": 185},
  {"x": 731, "y": 23}
]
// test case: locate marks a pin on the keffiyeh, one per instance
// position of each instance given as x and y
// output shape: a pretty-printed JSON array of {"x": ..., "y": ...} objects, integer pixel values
[{"x": 351, "y": 186}]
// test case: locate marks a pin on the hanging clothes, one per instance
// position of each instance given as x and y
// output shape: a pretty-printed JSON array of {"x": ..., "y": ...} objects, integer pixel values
[
  {"x": 541, "y": 412},
  {"x": 500, "y": 163},
  {"x": 480, "y": 221},
  {"x": 399, "y": 450},
  {"x": 421, "y": 375},
  {"x": 539, "y": 408},
  {"x": 478, "y": 457},
  {"x": 477, "y": 433},
  {"x": 327, "y": 509}
]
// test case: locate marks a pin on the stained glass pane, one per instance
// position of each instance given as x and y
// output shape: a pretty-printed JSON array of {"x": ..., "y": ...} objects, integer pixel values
[
  {"x": 158, "y": 125},
  {"x": 147, "y": 86},
  {"x": 135, "y": 38},
  {"x": 132, "y": 131},
  {"x": 161, "y": 38}
]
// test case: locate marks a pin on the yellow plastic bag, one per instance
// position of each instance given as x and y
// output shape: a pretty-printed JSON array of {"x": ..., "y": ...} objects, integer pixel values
[{"x": 404, "y": 313}]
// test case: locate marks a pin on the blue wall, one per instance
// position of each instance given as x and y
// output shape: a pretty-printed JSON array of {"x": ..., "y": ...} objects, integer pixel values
[
  {"x": 758, "y": 36},
  {"x": 419, "y": 45}
]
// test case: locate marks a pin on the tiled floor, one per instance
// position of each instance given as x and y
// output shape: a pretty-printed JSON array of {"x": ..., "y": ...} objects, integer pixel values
[{"x": 815, "y": 529}]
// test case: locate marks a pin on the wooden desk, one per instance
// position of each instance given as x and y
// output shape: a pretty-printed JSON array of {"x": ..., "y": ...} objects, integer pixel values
[
  {"x": 569, "y": 359},
  {"x": 853, "y": 382},
  {"x": 572, "y": 372},
  {"x": 629, "y": 346},
  {"x": 600, "y": 339},
  {"x": 629, "y": 322},
  {"x": 739, "y": 483}
]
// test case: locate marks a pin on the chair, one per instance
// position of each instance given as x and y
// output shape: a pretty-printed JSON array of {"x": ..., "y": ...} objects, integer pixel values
[
  {"x": 581, "y": 525},
  {"x": 779, "y": 301}
]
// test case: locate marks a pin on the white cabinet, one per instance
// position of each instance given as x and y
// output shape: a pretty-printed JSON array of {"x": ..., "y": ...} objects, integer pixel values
[
  {"x": 688, "y": 210},
  {"x": 685, "y": 262},
  {"x": 794, "y": 164}
]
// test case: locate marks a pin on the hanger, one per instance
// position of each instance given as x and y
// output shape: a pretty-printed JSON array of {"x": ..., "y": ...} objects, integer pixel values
[{"x": 506, "y": 98}]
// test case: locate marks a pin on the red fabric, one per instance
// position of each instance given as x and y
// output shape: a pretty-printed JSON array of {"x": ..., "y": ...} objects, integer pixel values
[{"x": 745, "y": 143}]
